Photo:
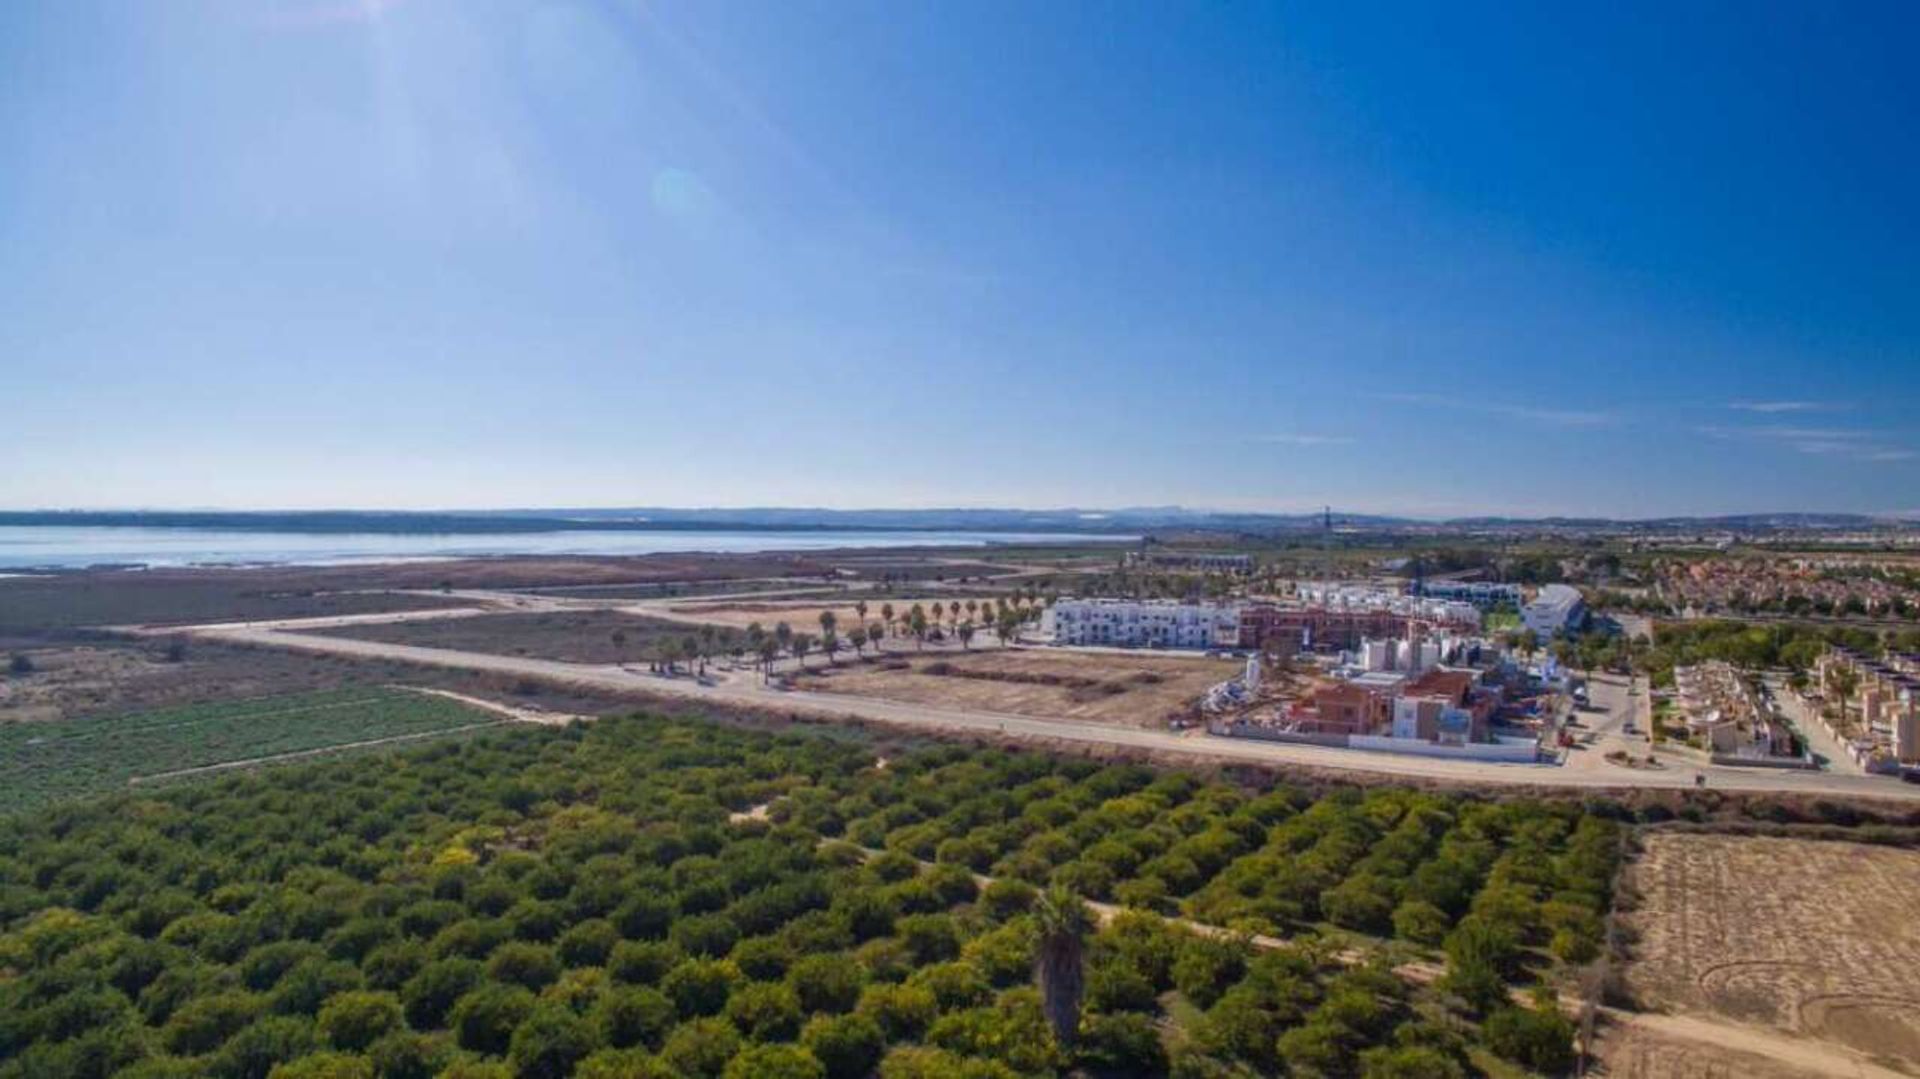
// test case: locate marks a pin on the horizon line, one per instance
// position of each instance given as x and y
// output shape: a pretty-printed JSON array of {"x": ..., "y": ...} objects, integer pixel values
[{"x": 1091, "y": 513}]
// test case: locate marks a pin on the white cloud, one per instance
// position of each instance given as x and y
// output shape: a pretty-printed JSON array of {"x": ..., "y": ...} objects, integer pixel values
[
  {"x": 1853, "y": 443},
  {"x": 1552, "y": 417},
  {"x": 1773, "y": 407}
]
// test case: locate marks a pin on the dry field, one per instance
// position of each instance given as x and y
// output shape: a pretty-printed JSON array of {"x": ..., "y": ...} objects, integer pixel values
[
  {"x": 1800, "y": 936},
  {"x": 689, "y": 589},
  {"x": 65, "y": 680},
  {"x": 567, "y": 636},
  {"x": 1129, "y": 690},
  {"x": 113, "y": 678},
  {"x": 38, "y": 609},
  {"x": 918, "y": 569}
]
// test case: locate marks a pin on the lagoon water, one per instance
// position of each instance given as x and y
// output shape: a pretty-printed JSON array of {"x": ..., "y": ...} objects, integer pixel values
[{"x": 62, "y": 547}]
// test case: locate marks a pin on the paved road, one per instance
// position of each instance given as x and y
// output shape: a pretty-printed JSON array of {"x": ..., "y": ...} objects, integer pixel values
[
  {"x": 744, "y": 688},
  {"x": 1615, "y": 701}
]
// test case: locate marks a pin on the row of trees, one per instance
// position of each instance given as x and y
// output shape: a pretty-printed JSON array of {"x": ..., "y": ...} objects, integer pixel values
[
  {"x": 1793, "y": 646},
  {"x": 916, "y": 621},
  {"x": 1755, "y": 647},
  {"x": 922, "y": 622},
  {"x": 1390, "y": 862},
  {"x": 1792, "y": 605}
]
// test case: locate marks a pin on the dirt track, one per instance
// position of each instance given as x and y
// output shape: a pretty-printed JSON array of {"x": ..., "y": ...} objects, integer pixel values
[{"x": 1645, "y": 1045}]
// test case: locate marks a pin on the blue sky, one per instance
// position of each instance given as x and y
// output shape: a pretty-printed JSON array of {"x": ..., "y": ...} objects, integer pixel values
[{"x": 1436, "y": 259}]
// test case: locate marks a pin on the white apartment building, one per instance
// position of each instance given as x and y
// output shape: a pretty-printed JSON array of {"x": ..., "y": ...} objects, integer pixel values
[
  {"x": 1555, "y": 608},
  {"x": 1143, "y": 623},
  {"x": 1335, "y": 596}
]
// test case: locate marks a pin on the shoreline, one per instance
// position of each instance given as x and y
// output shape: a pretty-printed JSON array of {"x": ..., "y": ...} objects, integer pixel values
[{"x": 226, "y": 550}]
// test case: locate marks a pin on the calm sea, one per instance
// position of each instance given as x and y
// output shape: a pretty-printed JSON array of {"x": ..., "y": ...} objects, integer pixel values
[{"x": 35, "y": 547}]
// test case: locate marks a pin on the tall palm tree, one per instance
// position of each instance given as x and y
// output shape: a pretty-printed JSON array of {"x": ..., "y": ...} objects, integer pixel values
[
  {"x": 860, "y": 610},
  {"x": 886, "y": 615},
  {"x": 769, "y": 651},
  {"x": 799, "y": 646},
  {"x": 876, "y": 633},
  {"x": 783, "y": 633},
  {"x": 858, "y": 638},
  {"x": 828, "y": 620},
  {"x": 709, "y": 645},
  {"x": 1059, "y": 960}
]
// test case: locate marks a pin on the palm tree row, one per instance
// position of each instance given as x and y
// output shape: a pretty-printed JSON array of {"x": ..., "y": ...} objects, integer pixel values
[
  {"x": 961, "y": 619},
  {"x": 698, "y": 646},
  {"x": 1004, "y": 615}
]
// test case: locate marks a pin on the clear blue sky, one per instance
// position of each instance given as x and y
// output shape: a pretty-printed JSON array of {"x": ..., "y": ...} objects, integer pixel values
[{"x": 1434, "y": 258}]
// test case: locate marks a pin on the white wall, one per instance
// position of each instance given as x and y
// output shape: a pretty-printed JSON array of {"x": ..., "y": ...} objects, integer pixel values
[{"x": 1502, "y": 751}]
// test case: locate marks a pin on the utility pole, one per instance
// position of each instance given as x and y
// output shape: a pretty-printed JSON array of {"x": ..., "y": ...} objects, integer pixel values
[{"x": 1326, "y": 543}]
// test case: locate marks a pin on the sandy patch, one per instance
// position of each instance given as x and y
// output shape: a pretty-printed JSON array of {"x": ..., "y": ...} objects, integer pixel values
[
  {"x": 66, "y": 681},
  {"x": 1121, "y": 689}
]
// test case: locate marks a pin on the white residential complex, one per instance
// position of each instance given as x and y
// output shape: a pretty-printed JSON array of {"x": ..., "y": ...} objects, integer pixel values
[
  {"x": 1335, "y": 596},
  {"x": 1149, "y": 623},
  {"x": 1482, "y": 594},
  {"x": 1556, "y": 608}
]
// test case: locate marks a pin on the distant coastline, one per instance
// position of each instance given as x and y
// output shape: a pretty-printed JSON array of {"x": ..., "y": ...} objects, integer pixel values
[
  {"x": 360, "y": 522},
  {"x": 68, "y": 547}
]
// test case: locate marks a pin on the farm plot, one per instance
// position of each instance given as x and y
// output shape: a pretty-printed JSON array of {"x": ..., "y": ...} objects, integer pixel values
[
  {"x": 1816, "y": 938},
  {"x": 1132, "y": 690},
  {"x": 41, "y": 763},
  {"x": 685, "y": 589},
  {"x": 901, "y": 570},
  {"x": 42, "y": 606},
  {"x": 597, "y": 637}
]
